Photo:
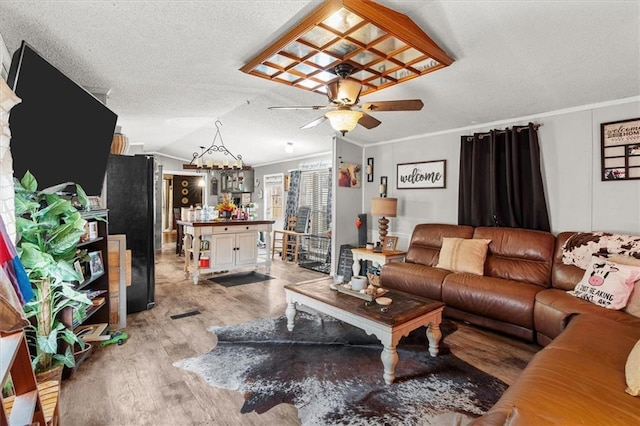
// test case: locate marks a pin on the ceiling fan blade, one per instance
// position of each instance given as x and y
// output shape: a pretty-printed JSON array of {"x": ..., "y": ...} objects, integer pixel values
[
  {"x": 368, "y": 121},
  {"x": 300, "y": 107},
  {"x": 314, "y": 123},
  {"x": 402, "y": 105}
]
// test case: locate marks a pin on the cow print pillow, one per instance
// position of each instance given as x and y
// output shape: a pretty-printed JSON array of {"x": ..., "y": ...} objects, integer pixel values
[{"x": 606, "y": 283}]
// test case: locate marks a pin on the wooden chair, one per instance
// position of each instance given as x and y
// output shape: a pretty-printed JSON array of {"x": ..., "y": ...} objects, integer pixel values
[
  {"x": 179, "y": 232},
  {"x": 288, "y": 242}
]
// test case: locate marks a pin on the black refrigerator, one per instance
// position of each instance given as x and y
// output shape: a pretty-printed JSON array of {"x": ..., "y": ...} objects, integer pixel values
[{"x": 131, "y": 201}]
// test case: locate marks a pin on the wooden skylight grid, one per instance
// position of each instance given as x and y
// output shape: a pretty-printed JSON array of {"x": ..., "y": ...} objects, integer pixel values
[{"x": 385, "y": 48}]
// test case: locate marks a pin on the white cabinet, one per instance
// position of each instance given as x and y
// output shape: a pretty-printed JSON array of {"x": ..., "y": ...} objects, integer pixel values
[
  {"x": 226, "y": 245},
  {"x": 231, "y": 250},
  {"x": 246, "y": 248}
]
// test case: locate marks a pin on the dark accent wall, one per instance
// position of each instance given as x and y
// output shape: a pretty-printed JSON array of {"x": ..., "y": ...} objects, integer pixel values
[{"x": 186, "y": 191}]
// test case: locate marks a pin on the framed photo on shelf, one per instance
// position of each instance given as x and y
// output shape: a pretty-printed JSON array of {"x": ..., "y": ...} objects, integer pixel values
[
  {"x": 95, "y": 263},
  {"x": 78, "y": 268},
  {"x": 389, "y": 243}
]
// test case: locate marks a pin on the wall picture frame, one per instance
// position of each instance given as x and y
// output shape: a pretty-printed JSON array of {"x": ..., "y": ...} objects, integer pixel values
[
  {"x": 96, "y": 267},
  {"x": 349, "y": 175},
  {"x": 389, "y": 243},
  {"x": 620, "y": 148},
  {"x": 77, "y": 266},
  {"x": 422, "y": 175}
]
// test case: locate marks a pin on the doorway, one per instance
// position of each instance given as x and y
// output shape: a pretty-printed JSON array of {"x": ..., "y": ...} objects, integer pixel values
[{"x": 274, "y": 199}]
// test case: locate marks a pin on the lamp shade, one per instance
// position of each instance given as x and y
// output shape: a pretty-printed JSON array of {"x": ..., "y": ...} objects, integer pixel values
[
  {"x": 344, "y": 120},
  {"x": 384, "y": 207}
]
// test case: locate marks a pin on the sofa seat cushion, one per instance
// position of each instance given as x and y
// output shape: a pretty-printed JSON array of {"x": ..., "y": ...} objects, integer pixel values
[
  {"x": 414, "y": 278},
  {"x": 554, "y": 308},
  {"x": 499, "y": 299},
  {"x": 578, "y": 379}
]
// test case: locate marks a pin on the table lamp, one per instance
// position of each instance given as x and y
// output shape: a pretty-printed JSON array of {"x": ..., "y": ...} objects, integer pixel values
[{"x": 385, "y": 207}]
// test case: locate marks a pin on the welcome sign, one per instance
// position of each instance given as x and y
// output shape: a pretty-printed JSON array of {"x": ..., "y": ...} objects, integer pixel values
[{"x": 427, "y": 174}]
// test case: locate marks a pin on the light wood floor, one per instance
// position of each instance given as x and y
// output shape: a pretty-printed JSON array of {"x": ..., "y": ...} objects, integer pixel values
[{"x": 136, "y": 383}]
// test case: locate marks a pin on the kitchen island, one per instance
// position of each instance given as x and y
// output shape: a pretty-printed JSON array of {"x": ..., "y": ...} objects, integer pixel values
[{"x": 224, "y": 245}]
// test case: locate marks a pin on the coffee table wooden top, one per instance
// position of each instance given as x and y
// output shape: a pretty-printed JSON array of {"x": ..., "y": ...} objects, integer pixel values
[{"x": 404, "y": 307}]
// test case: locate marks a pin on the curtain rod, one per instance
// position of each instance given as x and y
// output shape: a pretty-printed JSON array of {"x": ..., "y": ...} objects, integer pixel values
[{"x": 518, "y": 129}]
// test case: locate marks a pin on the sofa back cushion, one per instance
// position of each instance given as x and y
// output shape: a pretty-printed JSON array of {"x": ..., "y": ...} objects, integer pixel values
[
  {"x": 426, "y": 241},
  {"x": 564, "y": 277},
  {"x": 518, "y": 254}
]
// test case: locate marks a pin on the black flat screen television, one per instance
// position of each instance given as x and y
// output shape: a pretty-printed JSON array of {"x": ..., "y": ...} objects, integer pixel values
[{"x": 59, "y": 132}]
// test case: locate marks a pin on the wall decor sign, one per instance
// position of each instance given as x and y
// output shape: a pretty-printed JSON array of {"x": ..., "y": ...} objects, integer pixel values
[
  {"x": 620, "y": 142},
  {"x": 427, "y": 174}
]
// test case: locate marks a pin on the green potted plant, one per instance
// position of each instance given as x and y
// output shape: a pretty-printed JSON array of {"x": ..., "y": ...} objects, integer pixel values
[{"x": 49, "y": 228}]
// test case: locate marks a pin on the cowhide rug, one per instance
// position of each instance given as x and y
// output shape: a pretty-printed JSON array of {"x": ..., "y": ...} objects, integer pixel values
[{"x": 332, "y": 373}]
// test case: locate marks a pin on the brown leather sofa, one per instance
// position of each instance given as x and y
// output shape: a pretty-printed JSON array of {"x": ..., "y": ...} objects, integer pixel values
[
  {"x": 579, "y": 376},
  {"x": 517, "y": 267},
  {"x": 554, "y": 307},
  {"x": 578, "y": 379}
]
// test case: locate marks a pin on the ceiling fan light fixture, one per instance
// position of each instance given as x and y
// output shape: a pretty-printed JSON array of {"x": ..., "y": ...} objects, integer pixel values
[
  {"x": 342, "y": 91},
  {"x": 344, "y": 120}
]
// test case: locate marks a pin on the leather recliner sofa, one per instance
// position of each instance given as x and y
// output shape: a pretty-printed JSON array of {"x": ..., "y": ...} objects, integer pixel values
[
  {"x": 518, "y": 266},
  {"x": 579, "y": 376}
]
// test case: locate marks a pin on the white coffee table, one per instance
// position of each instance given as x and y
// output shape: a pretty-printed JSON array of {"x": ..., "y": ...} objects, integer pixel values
[{"x": 405, "y": 314}]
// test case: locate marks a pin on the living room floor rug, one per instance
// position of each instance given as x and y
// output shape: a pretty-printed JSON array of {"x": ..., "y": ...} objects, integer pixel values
[
  {"x": 240, "y": 278},
  {"x": 332, "y": 373}
]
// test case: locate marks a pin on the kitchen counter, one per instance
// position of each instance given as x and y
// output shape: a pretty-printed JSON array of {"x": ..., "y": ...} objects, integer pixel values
[{"x": 224, "y": 245}]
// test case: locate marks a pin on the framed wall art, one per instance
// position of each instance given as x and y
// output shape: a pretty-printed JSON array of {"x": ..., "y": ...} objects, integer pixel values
[
  {"x": 620, "y": 143},
  {"x": 349, "y": 175},
  {"x": 423, "y": 175}
]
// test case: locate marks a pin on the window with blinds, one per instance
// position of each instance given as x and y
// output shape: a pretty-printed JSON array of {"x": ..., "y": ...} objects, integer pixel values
[{"x": 314, "y": 193}]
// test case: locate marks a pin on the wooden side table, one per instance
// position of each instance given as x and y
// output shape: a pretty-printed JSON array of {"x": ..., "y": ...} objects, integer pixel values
[{"x": 381, "y": 258}]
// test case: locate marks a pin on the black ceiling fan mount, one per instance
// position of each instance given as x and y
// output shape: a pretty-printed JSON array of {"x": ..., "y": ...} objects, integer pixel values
[{"x": 343, "y": 70}]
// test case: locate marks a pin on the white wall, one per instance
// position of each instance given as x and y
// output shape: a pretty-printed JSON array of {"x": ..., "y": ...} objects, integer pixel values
[
  {"x": 570, "y": 147},
  {"x": 347, "y": 201}
]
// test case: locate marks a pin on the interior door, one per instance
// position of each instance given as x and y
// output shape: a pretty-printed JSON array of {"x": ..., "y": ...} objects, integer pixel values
[{"x": 274, "y": 199}]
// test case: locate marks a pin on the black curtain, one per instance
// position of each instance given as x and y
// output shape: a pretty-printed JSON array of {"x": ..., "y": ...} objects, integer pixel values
[{"x": 501, "y": 181}]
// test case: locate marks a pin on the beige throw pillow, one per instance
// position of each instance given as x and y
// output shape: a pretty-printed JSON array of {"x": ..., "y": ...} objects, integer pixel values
[
  {"x": 463, "y": 255},
  {"x": 632, "y": 371}
]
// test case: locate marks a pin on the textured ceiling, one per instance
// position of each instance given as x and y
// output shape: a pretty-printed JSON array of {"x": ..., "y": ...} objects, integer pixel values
[{"x": 168, "y": 60}]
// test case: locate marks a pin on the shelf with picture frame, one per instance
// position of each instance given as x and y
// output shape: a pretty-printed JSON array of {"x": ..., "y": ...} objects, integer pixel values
[{"x": 94, "y": 270}]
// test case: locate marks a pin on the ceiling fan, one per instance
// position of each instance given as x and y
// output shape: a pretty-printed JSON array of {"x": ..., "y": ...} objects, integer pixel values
[{"x": 345, "y": 112}]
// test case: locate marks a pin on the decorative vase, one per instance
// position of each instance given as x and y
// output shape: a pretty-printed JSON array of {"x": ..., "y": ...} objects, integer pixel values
[
  {"x": 225, "y": 214},
  {"x": 120, "y": 144}
]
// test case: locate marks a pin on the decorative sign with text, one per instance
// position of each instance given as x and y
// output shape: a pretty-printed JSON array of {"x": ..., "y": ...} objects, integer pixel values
[{"x": 427, "y": 174}]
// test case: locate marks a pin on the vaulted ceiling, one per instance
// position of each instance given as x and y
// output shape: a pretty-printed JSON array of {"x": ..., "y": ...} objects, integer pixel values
[{"x": 173, "y": 67}]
